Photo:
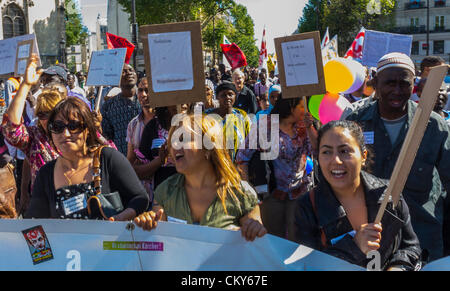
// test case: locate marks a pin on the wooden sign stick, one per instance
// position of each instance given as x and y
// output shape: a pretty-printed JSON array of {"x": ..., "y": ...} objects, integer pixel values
[
  {"x": 413, "y": 138},
  {"x": 99, "y": 98}
]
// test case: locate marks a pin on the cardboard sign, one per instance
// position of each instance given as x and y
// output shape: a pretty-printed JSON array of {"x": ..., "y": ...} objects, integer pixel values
[
  {"x": 8, "y": 52},
  {"x": 106, "y": 67},
  {"x": 300, "y": 65},
  {"x": 174, "y": 62},
  {"x": 24, "y": 52},
  {"x": 377, "y": 44}
]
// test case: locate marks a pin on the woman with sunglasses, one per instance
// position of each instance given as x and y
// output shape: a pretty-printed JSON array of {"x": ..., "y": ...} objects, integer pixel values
[
  {"x": 32, "y": 140},
  {"x": 70, "y": 177}
]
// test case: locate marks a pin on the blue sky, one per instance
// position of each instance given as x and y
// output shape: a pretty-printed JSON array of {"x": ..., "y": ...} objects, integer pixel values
[{"x": 279, "y": 16}]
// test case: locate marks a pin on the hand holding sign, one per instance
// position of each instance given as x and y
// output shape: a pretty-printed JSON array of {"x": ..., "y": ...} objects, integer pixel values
[{"x": 32, "y": 75}]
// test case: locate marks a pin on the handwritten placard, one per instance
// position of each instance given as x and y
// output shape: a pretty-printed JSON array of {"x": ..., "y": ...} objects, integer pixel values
[
  {"x": 300, "y": 65},
  {"x": 106, "y": 67},
  {"x": 378, "y": 44},
  {"x": 24, "y": 51},
  {"x": 8, "y": 53},
  {"x": 174, "y": 59},
  {"x": 171, "y": 60}
]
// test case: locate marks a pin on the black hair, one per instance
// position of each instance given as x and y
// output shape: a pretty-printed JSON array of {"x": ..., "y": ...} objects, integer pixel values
[
  {"x": 164, "y": 118},
  {"x": 352, "y": 126},
  {"x": 431, "y": 61},
  {"x": 284, "y": 107}
]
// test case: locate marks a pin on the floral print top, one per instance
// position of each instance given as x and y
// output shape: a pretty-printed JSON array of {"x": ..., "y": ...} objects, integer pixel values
[
  {"x": 32, "y": 140},
  {"x": 290, "y": 165}
]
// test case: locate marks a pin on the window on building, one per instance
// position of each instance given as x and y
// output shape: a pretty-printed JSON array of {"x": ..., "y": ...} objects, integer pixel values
[
  {"x": 438, "y": 47},
  {"x": 439, "y": 22},
  {"x": 415, "y": 48},
  {"x": 13, "y": 21},
  {"x": 414, "y": 22}
]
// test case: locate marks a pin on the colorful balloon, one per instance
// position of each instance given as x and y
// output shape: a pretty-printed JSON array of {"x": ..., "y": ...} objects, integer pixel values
[
  {"x": 332, "y": 107},
  {"x": 314, "y": 104},
  {"x": 359, "y": 73},
  {"x": 338, "y": 76}
]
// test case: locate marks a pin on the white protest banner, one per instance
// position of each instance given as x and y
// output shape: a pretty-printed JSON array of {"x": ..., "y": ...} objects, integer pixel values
[
  {"x": 377, "y": 44},
  {"x": 106, "y": 67},
  {"x": 114, "y": 246},
  {"x": 8, "y": 51}
]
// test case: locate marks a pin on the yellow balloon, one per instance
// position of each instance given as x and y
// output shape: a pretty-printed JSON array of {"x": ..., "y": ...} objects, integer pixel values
[{"x": 338, "y": 76}]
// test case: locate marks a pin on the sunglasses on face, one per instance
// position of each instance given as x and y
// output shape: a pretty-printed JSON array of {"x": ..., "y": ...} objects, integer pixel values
[
  {"x": 43, "y": 115},
  {"x": 58, "y": 127}
]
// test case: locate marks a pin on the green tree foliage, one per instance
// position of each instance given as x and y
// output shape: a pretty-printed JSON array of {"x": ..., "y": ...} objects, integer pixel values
[
  {"x": 76, "y": 32},
  {"x": 345, "y": 18},
  {"x": 218, "y": 18}
]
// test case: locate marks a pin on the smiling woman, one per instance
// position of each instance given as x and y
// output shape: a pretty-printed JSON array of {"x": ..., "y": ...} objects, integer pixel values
[{"x": 335, "y": 216}]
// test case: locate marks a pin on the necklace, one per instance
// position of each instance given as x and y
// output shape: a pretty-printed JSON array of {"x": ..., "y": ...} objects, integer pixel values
[{"x": 75, "y": 171}]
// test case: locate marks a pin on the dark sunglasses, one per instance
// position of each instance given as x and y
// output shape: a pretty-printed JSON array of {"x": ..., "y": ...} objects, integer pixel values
[
  {"x": 58, "y": 126},
  {"x": 140, "y": 90},
  {"x": 43, "y": 115}
]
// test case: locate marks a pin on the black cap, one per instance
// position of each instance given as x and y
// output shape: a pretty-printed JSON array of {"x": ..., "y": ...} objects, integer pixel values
[{"x": 225, "y": 85}]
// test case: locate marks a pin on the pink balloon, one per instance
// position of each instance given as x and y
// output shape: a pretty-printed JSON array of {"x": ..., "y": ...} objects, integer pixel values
[{"x": 332, "y": 107}]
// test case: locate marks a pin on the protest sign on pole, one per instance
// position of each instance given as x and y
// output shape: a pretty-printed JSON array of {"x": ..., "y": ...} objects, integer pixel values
[
  {"x": 105, "y": 69},
  {"x": 378, "y": 44},
  {"x": 300, "y": 65},
  {"x": 174, "y": 63},
  {"x": 8, "y": 52},
  {"x": 23, "y": 55},
  {"x": 413, "y": 137}
]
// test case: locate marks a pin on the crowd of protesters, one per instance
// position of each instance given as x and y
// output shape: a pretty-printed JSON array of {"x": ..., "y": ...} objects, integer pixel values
[{"x": 57, "y": 148}]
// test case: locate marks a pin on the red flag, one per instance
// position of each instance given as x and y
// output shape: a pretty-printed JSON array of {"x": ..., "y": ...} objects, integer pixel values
[
  {"x": 234, "y": 55},
  {"x": 356, "y": 49},
  {"x": 263, "y": 50},
  {"x": 115, "y": 41}
]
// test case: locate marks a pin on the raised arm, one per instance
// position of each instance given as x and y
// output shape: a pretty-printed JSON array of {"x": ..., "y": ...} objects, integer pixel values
[{"x": 31, "y": 78}]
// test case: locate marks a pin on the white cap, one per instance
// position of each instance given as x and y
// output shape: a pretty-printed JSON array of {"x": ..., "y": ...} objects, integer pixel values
[{"x": 396, "y": 60}]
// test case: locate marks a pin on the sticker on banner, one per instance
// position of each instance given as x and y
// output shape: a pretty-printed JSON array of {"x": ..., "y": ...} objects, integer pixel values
[
  {"x": 38, "y": 244},
  {"x": 133, "y": 246},
  {"x": 368, "y": 137}
]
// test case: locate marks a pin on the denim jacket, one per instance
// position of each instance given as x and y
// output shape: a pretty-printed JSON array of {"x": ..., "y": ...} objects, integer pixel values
[
  {"x": 428, "y": 182},
  {"x": 399, "y": 245}
]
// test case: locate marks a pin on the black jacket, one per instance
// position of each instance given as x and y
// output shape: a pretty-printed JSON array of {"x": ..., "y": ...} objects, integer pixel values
[
  {"x": 399, "y": 244},
  {"x": 246, "y": 101}
]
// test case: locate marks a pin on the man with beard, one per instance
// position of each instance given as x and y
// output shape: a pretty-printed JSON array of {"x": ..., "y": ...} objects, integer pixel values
[
  {"x": 121, "y": 109},
  {"x": 385, "y": 123}
]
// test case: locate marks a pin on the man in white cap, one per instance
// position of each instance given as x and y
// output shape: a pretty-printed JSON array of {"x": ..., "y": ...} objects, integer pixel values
[{"x": 385, "y": 123}]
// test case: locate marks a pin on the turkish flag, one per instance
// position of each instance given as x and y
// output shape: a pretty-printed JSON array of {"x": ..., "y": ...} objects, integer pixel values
[
  {"x": 115, "y": 41},
  {"x": 234, "y": 55}
]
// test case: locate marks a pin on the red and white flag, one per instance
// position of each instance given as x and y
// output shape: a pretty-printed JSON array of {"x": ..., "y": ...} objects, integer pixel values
[
  {"x": 263, "y": 50},
  {"x": 326, "y": 39},
  {"x": 115, "y": 41},
  {"x": 356, "y": 49},
  {"x": 234, "y": 55}
]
